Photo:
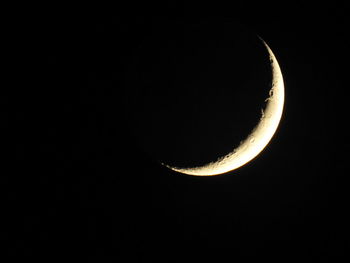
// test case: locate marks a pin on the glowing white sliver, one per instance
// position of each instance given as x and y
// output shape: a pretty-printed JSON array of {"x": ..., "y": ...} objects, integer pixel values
[{"x": 259, "y": 137}]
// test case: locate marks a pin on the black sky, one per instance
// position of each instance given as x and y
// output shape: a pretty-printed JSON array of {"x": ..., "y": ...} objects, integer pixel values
[{"x": 80, "y": 184}]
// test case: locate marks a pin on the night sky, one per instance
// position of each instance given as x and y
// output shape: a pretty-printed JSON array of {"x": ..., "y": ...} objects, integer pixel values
[{"x": 83, "y": 181}]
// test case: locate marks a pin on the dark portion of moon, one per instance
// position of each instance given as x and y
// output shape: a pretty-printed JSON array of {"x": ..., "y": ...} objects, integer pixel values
[{"x": 196, "y": 90}]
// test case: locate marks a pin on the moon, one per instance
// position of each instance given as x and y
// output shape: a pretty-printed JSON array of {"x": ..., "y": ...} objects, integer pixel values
[{"x": 259, "y": 137}]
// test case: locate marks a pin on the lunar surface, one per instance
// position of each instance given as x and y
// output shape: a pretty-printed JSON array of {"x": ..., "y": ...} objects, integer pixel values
[
  {"x": 202, "y": 97},
  {"x": 259, "y": 137}
]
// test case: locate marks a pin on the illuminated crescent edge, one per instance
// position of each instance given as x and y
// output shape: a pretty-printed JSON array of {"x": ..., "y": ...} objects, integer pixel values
[{"x": 258, "y": 138}]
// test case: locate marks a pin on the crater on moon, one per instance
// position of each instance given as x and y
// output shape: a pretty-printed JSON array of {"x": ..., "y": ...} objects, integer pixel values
[{"x": 196, "y": 90}]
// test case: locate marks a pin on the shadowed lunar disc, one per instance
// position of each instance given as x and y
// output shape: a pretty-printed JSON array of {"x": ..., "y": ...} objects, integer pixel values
[{"x": 203, "y": 98}]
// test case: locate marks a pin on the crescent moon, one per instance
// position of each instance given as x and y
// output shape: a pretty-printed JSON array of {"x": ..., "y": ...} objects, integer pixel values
[{"x": 259, "y": 137}]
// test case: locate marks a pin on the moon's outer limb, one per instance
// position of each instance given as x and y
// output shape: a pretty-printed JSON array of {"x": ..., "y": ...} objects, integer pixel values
[{"x": 257, "y": 139}]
